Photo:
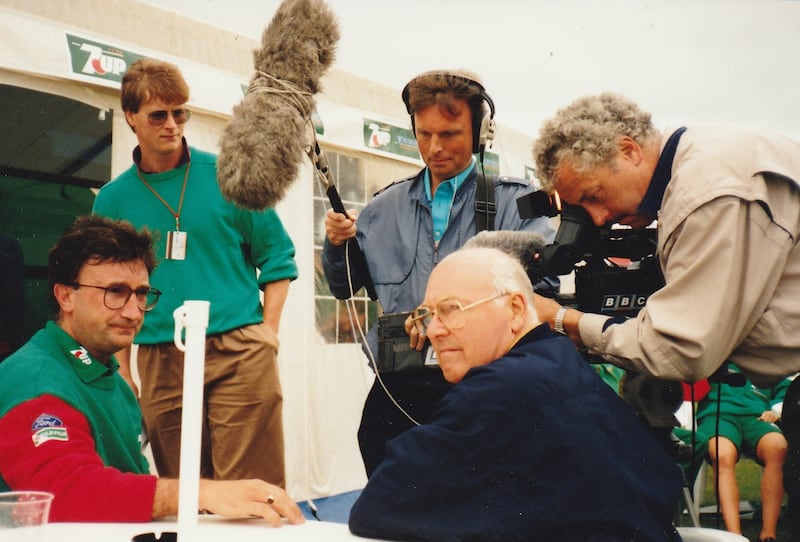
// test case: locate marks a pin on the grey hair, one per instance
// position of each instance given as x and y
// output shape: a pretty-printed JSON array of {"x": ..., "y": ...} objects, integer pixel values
[
  {"x": 586, "y": 134},
  {"x": 507, "y": 272}
]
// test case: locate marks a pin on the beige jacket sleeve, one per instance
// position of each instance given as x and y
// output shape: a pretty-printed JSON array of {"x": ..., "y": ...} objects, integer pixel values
[{"x": 721, "y": 267}]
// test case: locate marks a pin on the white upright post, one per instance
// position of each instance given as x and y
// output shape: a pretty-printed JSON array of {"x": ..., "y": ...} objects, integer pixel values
[{"x": 192, "y": 317}]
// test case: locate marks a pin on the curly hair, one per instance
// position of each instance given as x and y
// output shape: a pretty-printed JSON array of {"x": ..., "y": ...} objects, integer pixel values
[
  {"x": 586, "y": 134},
  {"x": 149, "y": 78},
  {"x": 92, "y": 239}
]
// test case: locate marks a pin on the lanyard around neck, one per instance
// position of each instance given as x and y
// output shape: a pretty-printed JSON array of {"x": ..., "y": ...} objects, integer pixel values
[{"x": 176, "y": 214}]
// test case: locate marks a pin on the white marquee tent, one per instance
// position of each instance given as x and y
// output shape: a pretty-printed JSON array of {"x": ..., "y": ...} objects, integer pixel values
[{"x": 77, "y": 53}]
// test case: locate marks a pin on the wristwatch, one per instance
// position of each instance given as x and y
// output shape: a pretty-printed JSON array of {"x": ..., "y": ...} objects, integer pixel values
[{"x": 558, "y": 324}]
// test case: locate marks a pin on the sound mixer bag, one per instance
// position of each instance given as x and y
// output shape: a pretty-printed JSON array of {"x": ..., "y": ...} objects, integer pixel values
[{"x": 394, "y": 352}]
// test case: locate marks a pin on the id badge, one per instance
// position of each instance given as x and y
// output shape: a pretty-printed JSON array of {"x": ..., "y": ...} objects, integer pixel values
[
  {"x": 430, "y": 357},
  {"x": 176, "y": 245}
]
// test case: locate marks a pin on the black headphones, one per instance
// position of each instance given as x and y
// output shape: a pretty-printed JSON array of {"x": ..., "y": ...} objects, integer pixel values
[{"x": 483, "y": 125}]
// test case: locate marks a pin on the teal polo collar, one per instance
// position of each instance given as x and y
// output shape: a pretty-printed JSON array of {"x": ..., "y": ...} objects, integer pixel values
[
  {"x": 86, "y": 366},
  {"x": 455, "y": 182},
  {"x": 441, "y": 202}
]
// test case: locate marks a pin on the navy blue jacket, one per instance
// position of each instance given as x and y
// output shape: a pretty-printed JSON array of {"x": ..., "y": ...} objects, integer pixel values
[{"x": 533, "y": 446}]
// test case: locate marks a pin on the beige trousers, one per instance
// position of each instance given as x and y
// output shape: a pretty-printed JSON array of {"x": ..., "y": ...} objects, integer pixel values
[{"x": 242, "y": 433}]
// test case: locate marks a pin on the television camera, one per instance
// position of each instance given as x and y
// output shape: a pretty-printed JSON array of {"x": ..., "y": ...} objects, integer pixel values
[
  {"x": 616, "y": 270},
  {"x": 615, "y": 267}
]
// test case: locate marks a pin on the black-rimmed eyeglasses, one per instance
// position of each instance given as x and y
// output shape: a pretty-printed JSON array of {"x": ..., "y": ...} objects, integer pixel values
[
  {"x": 449, "y": 311},
  {"x": 116, "y": 297},
  {"x": 157, "y": 118}
]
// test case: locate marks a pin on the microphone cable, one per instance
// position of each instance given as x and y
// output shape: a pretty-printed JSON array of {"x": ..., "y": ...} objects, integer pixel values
[
  {"x": 716, "y": 447},
  {"x": 352, "y": 313}
]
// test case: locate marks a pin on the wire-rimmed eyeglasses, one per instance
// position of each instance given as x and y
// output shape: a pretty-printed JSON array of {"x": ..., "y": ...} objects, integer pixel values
[
  {"x": 449, "y": 311},
  {"x": 116, "y": 297},
  {"x": 157, "y": 118}
]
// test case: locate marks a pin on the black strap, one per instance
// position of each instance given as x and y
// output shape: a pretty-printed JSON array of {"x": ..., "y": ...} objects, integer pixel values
[{"x": 485, "y": 207}]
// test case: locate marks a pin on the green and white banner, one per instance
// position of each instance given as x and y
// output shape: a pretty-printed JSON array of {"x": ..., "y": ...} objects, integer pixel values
[{"x": 99, "y": 59}]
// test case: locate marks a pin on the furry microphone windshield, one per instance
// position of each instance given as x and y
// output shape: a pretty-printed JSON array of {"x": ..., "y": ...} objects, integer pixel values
[
  {"x": 523, "y": 245},
  {"x": 262, "y": 146}
]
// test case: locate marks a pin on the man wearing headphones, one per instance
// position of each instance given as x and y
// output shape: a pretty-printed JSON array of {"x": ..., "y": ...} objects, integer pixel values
[{"x": 411, "y": 225}]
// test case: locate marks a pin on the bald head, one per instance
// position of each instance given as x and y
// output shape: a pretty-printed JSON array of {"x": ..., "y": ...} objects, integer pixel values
[
  {"x": 477, "y": 267},
  {"x": 483, "y": 303}
]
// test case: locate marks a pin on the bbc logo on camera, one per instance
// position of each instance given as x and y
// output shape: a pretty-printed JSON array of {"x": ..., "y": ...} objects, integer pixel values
[{"x": 623, "y": 302}]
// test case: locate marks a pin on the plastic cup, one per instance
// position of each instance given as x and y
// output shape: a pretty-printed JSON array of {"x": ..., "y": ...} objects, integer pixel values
[{"x": 24, "y": 514}]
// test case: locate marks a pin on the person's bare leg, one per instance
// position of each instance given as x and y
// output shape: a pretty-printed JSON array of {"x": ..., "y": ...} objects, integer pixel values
[
  {"x": 771, "y": 452},
  {"x": 724, "y": 456}
]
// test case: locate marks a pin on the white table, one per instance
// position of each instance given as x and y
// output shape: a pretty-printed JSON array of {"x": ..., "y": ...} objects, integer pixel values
[
  {"x": 210, "y": 529},
  {"x": 214, "y": 529}
]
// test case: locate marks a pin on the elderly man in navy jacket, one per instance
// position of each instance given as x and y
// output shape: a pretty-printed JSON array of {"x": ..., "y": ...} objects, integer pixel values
[{"x": 530, "y": 444}]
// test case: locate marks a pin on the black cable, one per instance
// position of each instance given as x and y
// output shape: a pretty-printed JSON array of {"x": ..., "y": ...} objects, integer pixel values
[
  {"x": 716, "y": 447},
  {"x": 694, "y": 427},
  {"x": 313, "y": 509}
]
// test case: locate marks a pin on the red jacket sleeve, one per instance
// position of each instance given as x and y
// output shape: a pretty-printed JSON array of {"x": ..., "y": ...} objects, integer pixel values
[{"x": 66, "y": 463}]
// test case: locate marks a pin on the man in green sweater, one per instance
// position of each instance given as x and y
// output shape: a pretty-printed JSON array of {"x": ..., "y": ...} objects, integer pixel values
[{"x": 214, "y": 251}]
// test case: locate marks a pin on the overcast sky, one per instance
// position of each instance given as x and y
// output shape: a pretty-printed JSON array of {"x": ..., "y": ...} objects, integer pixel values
[{"x": 685, "y": 61}]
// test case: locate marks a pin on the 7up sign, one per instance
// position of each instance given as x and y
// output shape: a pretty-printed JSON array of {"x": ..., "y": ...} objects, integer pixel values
[{"x": 98, "y": 59}]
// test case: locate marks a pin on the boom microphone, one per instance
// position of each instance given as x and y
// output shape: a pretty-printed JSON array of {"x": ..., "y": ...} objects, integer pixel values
[
  {"x": 325, "y": 175},
  {"x": 522, "y": 245},
  {"x": 262, "y": 146}
]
